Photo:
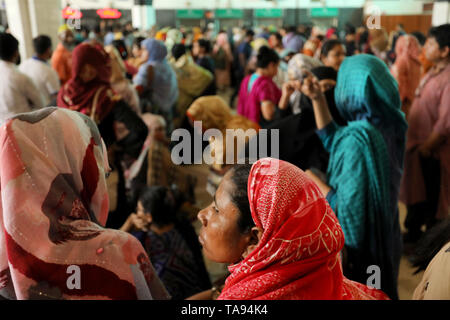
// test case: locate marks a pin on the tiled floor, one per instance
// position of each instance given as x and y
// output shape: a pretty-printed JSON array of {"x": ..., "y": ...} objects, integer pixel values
[{"x": 407, "y": 282}]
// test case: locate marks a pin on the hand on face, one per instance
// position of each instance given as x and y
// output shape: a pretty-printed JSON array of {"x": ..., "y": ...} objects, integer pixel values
[{"x": 310, "y": 86}]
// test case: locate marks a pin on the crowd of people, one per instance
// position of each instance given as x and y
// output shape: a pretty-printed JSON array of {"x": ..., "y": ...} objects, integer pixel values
[{"x": 87, "y": 174}]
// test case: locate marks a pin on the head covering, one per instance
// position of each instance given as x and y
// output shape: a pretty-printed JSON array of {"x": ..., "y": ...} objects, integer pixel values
[
  {"x": 310, "y": 47},
  {"x": 173, "y": 37},
  {"x": 258, "y": 43},
  {"x": 365, "y": 89},
  {"x": 300, "y": 61},
  {"x": 324, "y": 72},
  {"x": 213, "y": 111},
  {"x": 156, "y": 49},
  {"x": 293, "y": 41},
  {"x": 85, "y": 96},
  {"x": 63, "y": 28},
  {"x": 407, "y": 66},
  {"x": 54, "y": 203},
  {"x": 378, "y": 40},
  {"x": 118, "y": 69},
  {"x": 297, "y": 256}
]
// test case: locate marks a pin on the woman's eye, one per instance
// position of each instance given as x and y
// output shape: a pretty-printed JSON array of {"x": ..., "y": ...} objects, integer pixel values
[{"x": 215, "y": 209}]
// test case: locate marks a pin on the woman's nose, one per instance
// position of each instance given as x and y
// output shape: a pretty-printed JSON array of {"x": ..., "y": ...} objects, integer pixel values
[{"x": 202, "y": 217}]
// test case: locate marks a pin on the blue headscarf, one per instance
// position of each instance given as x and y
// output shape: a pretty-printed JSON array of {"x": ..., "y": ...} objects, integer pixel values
[{"x": 156, "y": 49}]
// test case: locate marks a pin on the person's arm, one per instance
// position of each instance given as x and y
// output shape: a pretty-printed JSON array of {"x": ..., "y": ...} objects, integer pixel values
[
  {"x": 268, "y": 110},
  {"x": 311, "y": 88},
  {"x": 287, "y": 90},
  {"x": 322, "y": 185},
  {"x": 434, "y": 140},
  {"x": 32, "y": 94},
  {"x": 441, "y": 129}
]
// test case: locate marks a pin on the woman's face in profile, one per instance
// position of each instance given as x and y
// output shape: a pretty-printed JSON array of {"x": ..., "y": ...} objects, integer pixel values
[{"x": 220, "y": 236}]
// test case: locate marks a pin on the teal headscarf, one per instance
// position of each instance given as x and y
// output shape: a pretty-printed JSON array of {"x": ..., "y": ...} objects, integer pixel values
[{"x": 366, "y": 89}]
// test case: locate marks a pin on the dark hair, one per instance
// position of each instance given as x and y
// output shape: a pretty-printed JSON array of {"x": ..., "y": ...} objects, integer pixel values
[
  {"x": 266, "y": 56},
  {"x": 277, "y": 35},
  {"x": 160, "y": 203},
  {"x": 8, "y": 46},
  {"x": 239, "y": 196},
  {"x": 137, "y": 41},
  {"x": 250, "y": 33},
  {"x": 178, "y": 51},
  {"x": 349, "y": 29},
  {"x": 441, "y": 34},
  {"x": 41, "y": 44},
  {"x": 420, "y": 37},
  {"x": 205, "y": 44},
  {"x": 328, "y": 46},
  {"x": 291, "y": 29},
  {"x": 97, "y": 29},
  {"x": 430, "y": 244}
]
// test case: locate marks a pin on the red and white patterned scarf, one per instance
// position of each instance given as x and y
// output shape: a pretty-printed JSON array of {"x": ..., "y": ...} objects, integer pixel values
[{"x": 298, "y": 254}]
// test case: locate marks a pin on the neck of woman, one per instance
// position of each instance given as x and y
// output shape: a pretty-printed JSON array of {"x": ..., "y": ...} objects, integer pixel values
[{"x": 262, "y": 72}]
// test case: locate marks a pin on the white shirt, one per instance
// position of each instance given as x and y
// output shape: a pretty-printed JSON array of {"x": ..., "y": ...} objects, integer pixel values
[
  {"x": 44, "y": 77},
  {"x": 18, "y": 93}
]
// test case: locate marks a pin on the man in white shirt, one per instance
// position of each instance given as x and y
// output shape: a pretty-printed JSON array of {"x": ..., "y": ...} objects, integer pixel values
[
  {"x": 18, "y": 93},
  {"x": 37, "y": 68}
]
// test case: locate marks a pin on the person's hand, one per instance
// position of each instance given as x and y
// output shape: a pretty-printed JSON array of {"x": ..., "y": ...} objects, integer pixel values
[
  {"x": 288, "y": 89},
  {"x": 310, "y": 86},
  {"x": 141, "y": 222}
]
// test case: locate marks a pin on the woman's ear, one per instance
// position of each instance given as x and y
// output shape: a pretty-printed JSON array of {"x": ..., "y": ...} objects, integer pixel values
[{"x": 255, "y": 236}]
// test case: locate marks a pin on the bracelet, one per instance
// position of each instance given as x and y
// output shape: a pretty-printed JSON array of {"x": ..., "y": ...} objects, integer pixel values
[{"x": 215, "y": 292}]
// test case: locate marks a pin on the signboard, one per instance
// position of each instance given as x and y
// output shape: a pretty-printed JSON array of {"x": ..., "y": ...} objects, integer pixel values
[
  {"x": 268, "y": 13},
  {"x": 190, "y": 14},
  {"x": 229, "y": 13},
  {"x": 109, "y": 13},
  {"x": 324, "y": 12},
  {"x": 69, "y": 13}
]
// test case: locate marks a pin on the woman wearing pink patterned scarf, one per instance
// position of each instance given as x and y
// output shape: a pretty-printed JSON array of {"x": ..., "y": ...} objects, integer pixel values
[{"x": 53, "y": 204}]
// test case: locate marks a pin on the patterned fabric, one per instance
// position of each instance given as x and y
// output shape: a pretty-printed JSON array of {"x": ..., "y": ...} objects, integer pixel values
[
  {"x": 299, "y": 62},
  {"x": 358, "y": 172},
  {"x": 174, "y": 263},
  {"x": 53, "y": 205},
  {"x": 298, "y": 254}
]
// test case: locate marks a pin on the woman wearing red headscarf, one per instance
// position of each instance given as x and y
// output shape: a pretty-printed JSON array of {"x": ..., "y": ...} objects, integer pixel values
[
  {"x": 272, "y": 223},
  {"x": 89, "y": 91}
]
